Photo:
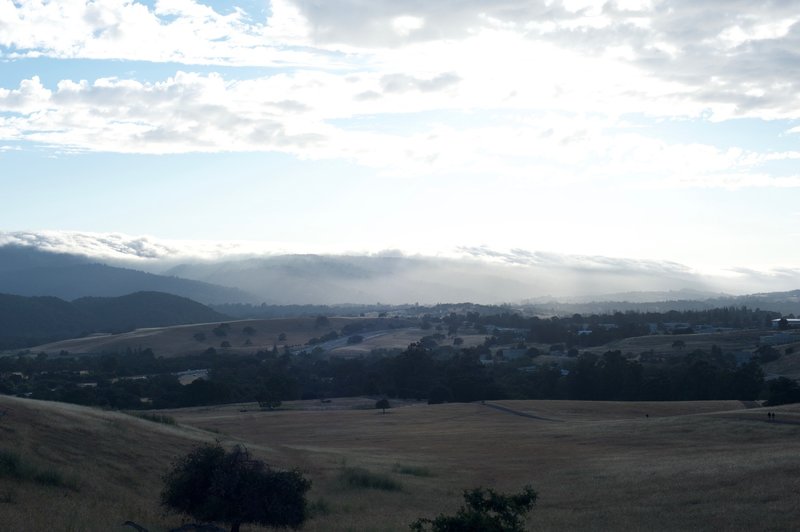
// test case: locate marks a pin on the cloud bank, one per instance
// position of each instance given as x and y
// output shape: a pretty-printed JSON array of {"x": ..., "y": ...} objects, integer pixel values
[{"x": 477, "y": 274}]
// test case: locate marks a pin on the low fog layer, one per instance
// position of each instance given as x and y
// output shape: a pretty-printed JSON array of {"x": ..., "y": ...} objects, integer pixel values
[{"x": 476, "y": 274}]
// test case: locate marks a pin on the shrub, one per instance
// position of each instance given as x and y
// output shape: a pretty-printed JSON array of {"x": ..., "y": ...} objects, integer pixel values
[
  {"x": 415, "y": 471},
  {"x": 485, "y": 511},
  {"x": 210, "y": 484},
  {"x": 357, "y": 477}
]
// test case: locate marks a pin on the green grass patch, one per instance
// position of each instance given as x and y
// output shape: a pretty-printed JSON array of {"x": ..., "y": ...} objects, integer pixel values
[
  {"x": 14, "y": 466},
  {"x": 360, "y": 478},
  {"x": 319, "y": 508},
  {"x": 414, "y": 471},
  {"x": 155, "y": 418}
]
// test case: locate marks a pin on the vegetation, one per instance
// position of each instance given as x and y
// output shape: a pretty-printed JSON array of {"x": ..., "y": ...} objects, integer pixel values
[
  {"x": 26, "y": 321},
  {"x": 13, "y": 465},
  {"x": 704, "y": 465},
  {"x": 415, "y": 471},
  {"x": 484, "y": 510},
  {"x": 383, "y": 404},
  {"x": 360, "y": 478},
  {"x": 210, "y": 485}
]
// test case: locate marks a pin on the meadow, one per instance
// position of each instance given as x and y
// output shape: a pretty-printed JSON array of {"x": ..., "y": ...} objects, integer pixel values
[{"x": 596, "y": 465}]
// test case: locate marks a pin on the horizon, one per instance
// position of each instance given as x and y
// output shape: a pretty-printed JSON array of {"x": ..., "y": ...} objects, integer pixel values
[
  {"x": 629, "y": 131},
  {"x": 479, "y": 274}
]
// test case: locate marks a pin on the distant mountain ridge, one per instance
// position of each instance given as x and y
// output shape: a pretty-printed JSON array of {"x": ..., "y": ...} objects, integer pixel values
[
  {"x": 26, "y": 321},
  {"x": 27, "y": 271},
  {"x": 395, "y": 279}
]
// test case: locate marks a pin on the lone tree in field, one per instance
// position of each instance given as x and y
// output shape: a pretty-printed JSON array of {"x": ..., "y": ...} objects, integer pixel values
[
  {"x": 210, "y": 485},
  {"x": 383, "y": 404},
  {"x": 485, "y": 511}
]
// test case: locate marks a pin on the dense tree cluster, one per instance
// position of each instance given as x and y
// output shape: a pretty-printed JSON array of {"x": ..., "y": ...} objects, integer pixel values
[{"x": 142, "y": 380}]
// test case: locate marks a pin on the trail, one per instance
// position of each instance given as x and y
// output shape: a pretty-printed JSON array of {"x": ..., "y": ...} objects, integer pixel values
[{"x": 518, "y": 413}]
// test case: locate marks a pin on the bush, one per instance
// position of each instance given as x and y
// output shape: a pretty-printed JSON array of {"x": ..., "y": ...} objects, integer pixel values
[
  {"x": 210, "y": 484},
  {"x": 357, "y": 477},
  {"x": 415, "y": 471},
  {"x": 485, "y": 511}
]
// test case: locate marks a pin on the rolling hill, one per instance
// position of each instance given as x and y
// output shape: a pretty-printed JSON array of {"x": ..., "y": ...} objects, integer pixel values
[
  {"x": 28, "y": 271},
  {"x": 26, "y": 321}
]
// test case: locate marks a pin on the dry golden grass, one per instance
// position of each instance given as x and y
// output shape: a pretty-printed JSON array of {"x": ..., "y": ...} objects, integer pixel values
[
  {"x": 597, "y": 466},
  {"x": 179, "y": 340},
  {"x": 662, "y": 343},
  {"x": 400, "y": 339}
]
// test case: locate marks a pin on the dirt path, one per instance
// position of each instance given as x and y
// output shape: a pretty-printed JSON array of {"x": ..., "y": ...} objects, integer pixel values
[{"x": 518, "y": 413}]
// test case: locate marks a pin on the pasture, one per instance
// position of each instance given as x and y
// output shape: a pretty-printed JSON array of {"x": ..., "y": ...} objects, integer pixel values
[{"x": 596, "y": 465}]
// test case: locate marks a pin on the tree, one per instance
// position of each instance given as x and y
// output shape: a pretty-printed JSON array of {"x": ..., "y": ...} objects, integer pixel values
[
  {"x": 783, "y": 391},
  {"x": 384, "y": 404},
  {"x": 485, "y": 511},
  {"x": 268, "y": 398},
  {"x": 210, "y": 484}
]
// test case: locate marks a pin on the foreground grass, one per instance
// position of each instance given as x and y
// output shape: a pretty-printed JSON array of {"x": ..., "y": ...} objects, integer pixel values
[
  {"x": 15, "y": 467},
  {"x": 596, "y": 466}
]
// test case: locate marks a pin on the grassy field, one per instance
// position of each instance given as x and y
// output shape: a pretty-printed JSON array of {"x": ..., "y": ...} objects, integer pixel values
[
  {"x": 662, "y": 343},
  {"x": 597, "y": 466},
  {"x": 180, "y": 340}
]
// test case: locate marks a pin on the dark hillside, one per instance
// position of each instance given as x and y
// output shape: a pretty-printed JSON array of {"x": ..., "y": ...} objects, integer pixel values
[
  {"x": 27, "y": 271},
  {"x": 27, "y": 321},
  {"x": 144, "y": 309}
]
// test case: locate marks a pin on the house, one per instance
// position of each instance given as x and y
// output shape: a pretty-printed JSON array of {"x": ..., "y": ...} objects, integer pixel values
[{"x": 792, "y": 323}]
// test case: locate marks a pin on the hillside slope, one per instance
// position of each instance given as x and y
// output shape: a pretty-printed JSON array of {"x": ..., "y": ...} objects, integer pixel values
[
  {"x": 98, "y": 468},
  {"x": 30, "y": 272},
  {"x": 26, "y": 321}
]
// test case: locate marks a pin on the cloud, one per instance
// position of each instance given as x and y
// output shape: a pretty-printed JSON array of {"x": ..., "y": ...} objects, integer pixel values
[
  {"x": 183, "y": 31},
  {"x": 404, "y": 82},
  {"x": 486, "y": 273},
  {"x": 533, "y": 90}
]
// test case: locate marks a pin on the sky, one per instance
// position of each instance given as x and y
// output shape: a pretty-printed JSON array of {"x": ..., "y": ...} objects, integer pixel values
[{"x": 639, "y": 129}]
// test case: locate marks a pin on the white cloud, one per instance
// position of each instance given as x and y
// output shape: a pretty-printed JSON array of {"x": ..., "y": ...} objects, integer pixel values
[
  {"x": 565, "y": 71},
  {"x": 294, "y": 113},
  {"x": 181, "y": 31},
  {"x": 536, "y": 273}
]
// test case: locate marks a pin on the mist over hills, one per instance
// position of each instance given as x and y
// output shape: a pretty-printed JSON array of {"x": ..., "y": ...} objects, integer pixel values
[
  {"x": 28, "y": 271},
  {"x": 74, "y": 265}
]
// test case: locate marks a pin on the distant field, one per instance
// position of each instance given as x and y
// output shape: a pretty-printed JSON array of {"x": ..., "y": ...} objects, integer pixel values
[
  {"x": 688, "y": 466},
  {"x": 662, "y": 343},
  {"x": 400, "y": 339},
  {"x": 180, "y": 340}
]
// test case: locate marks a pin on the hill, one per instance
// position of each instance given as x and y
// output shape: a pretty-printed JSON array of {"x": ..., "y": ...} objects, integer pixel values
[
  {"x": 241, "y": 336},
  {"x": 714, "y": 465},
  {"x": 26, "y": 321},
  {"x": 30, "y": 272}
]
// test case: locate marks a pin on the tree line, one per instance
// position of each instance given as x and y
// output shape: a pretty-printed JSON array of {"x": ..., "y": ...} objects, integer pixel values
[{"x": 140, "y": 379}]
